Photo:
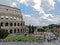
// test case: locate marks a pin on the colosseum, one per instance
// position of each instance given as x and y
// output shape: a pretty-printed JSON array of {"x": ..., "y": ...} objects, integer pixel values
[{"x": 11, "y": 20}]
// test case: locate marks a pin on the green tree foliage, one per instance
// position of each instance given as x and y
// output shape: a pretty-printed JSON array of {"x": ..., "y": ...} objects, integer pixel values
[
  {"x": 31, "y": 28},
  {"x": 3, "y": 33},
  {"x": 54, "y": 28},
  {"x": 40, "y": 30},
  {"x": 46, "y": 28},
  {"x": 51, "y": 26}
]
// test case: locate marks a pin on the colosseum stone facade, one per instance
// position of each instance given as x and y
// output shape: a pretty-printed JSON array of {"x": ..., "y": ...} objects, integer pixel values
[{"x": 11, "y": 20}]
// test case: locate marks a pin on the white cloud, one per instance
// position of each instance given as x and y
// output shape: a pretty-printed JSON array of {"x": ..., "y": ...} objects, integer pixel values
[
  {"x": 47, "y": 4},
  {"x": 30, "y": 20},
  {"x": 9, "y": 2},
  {"x": 13, "y": 4},
  {"x": 22, "y": 1},
  {"x": 41, "y": 21},
  {"x": 38, "y": 5}
]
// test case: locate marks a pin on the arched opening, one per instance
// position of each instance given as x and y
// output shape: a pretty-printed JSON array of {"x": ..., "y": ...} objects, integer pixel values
[
  {"x": 2, "y": 17},
  {"x": 1, "y": 23},
  {"x": 14, "y": 30},
  {"x": 14, "y": 24},
  {"x": 21, "y": 24},
  {"x": 10, "y": 30},
  {"x": 18, "y": 30},
  {"x": 6, "y": 24},
  {"x": 11, "y": 24},
  {"x": 6, "y": 17},
  {"x": 21, "y": 30},
  {"x": 18, "y": 24}
]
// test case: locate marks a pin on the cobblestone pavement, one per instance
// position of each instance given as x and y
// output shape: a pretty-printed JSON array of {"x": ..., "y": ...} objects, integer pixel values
[{"x": 30, "y": 43}]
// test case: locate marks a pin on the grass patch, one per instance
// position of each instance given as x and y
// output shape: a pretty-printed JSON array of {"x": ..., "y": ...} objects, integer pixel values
[{"x": 14, "y": 38}]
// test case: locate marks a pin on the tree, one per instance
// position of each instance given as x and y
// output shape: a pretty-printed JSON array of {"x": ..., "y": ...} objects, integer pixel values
[
  {"x": 46, "y": 28},
  {"x": 29, "y": 29},
  {"x": 51, "y": 26},
  {"x": 3, "y": 33},
  {"x": 41, "y": 30},
  {"x": 32, "y": 31}
]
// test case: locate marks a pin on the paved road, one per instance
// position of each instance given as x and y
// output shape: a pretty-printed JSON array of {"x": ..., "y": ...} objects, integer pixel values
[
  {"x": 30, "y": 43},
  {"x": 51, "y": 43}
]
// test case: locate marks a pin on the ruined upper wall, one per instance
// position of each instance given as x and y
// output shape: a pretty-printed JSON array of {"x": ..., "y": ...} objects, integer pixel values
[{"x": 9, "y": 10}]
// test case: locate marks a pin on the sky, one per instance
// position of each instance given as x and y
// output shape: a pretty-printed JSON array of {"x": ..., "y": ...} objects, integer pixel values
[{"x": 37, "y": 12}]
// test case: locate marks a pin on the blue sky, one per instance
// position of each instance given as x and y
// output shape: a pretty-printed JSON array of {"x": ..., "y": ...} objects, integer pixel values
[
  {"x": 39, "y": 13},
  {"x": 56, "y": 11}
]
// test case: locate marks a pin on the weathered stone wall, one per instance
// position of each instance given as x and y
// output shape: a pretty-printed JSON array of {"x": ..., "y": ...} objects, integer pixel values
[{"x": 11, "y": 19}]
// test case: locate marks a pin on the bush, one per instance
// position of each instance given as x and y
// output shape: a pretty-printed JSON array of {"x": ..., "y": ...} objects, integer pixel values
[{"x": 3, "y": 33}]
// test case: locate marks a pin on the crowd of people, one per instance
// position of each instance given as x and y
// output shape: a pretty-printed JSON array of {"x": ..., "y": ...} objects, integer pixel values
[{"x": 50, "y": 37}]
